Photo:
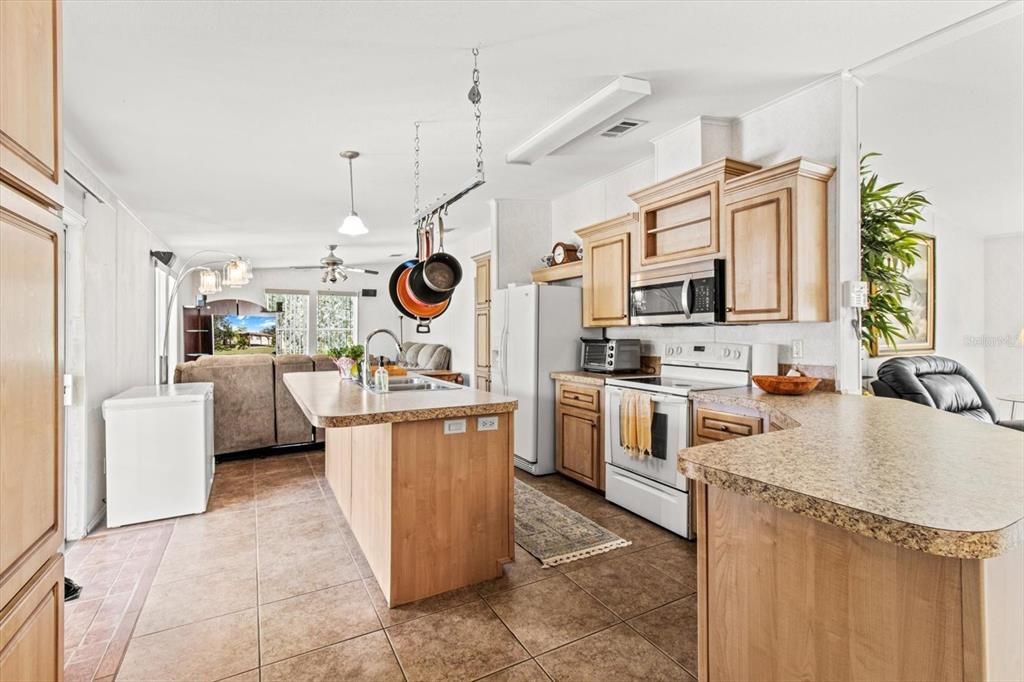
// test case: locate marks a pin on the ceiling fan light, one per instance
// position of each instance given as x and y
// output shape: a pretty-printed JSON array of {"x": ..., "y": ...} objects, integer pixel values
[
  {"x": 353, "y": 226},
  {"x": 209, "y": 282}
]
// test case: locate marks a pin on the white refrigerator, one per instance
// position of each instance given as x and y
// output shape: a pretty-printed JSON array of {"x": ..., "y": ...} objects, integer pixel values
[{"x": 535, "y": 330}]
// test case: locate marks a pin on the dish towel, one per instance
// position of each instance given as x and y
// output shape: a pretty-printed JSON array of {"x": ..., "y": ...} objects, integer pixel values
[{"x": 635, "y": 415}]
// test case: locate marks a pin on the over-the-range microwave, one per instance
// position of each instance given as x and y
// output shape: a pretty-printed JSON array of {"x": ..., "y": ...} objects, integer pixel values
[{"x": 693, "y": 294}]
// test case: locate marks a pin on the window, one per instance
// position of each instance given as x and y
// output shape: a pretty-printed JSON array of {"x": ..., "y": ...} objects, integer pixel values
[
  {"x": 292, "y": 322},
  {"x": 336, "y": 319}
]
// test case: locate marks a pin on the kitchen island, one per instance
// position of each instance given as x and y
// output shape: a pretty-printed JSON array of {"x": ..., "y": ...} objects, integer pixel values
[
  {"x": 423, "y": 477},
  {"x": 858, "y": 538}
]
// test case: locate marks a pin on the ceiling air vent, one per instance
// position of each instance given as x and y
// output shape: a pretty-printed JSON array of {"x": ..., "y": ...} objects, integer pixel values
[{"x": 622, "y": 127}]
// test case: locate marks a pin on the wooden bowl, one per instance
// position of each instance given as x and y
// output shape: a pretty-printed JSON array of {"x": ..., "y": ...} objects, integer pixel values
[{"x": 782, "y": 385}]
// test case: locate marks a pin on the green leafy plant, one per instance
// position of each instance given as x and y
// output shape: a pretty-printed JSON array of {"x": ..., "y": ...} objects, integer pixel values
[
  {"x": 888, "y": 247},
  {"x": 354, "y": 351}
]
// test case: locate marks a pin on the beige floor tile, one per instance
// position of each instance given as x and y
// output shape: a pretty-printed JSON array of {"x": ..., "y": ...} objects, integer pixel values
[
  {"x": 306, "y": 533},
  {"x": 235, "y": 468},
  {"x": 233, "y": 554},
  {"x": 617, "y": 653},
  {"x": 416, "y": 609},
  {"x": 527, "y": 671},
  {"x": 288, "y": 575},
  {"x": 677, "y": 559},
  {"x": 298, "y": 491},
  {"x": 627, "y": 585},
  {"x": 232, "y": 495},
  {"x": 212, "y": 527},
  {"x": 461, "y": 643},
  {"x": 310, "y": 621},
  {"x": 248, "y": 676},
  {"x": 211, "y": 649},
  {"x": 547, "y": 614},
  {"x": 284, "y": 517},
  {"x": 366, "y": 658},
  {"x": 194, "y": 599},
  {"x": 673, "y": 629},
  {"x": 524, "y": 570}
]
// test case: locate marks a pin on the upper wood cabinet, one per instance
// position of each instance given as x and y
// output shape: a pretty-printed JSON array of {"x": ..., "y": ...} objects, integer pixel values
[
  {"x": 776, "y": 244},
  {"x": 483, "y": 339},
  {"x": 482, "y": 279},
  {"x": 680, "y": 218},
  {"x": 606, "y": 258},
  {"x": 30, "y": 122}
]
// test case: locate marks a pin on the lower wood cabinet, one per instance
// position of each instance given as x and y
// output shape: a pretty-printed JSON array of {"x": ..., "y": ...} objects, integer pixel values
[
  {"x": 482, "y": 382},
  {"x": 579, "y": 433},
  {"x": 32, "y": 628},
  {"x": 711, "y": 426}
]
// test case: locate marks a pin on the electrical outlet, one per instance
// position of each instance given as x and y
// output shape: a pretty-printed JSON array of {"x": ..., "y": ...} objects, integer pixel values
[
  {"x": 488, "y": 423},
  {"x": 796, "y": 348},
  {"x": 454, "y": 426}
]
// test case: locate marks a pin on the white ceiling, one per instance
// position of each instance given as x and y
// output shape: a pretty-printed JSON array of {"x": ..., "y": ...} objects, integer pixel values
[{"x": 219, "y": 123}]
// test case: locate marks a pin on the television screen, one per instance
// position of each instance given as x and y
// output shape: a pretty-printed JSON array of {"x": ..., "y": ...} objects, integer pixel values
[{"x": 241, "y": 334}]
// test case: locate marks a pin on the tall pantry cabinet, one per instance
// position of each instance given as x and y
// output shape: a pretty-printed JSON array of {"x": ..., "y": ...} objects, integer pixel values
[{"x": 31, "y": 325}]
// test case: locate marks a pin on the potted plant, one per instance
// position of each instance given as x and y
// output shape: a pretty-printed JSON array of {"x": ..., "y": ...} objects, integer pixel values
[
  {"x": 888, "y": 247},
  {"x": 347, "y": 357}
]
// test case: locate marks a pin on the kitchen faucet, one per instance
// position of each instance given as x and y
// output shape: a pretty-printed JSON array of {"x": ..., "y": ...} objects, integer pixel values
[{"x": 366, "y": 350}]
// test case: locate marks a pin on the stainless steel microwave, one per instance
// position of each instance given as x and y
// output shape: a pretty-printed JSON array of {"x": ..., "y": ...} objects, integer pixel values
[{"x": 690, "y": 296}]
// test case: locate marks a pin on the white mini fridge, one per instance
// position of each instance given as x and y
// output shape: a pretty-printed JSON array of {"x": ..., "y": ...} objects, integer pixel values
[{"x": 159, "y": 460}]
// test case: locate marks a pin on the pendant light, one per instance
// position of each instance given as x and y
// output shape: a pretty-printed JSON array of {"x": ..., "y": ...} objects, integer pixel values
[
  {"x": 209, "y": 282},
  {"x": 353, "y": 224},
  {"x": 237, "y": 273}
]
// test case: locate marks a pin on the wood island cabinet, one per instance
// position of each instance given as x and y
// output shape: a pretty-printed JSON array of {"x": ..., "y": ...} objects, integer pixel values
[
  {"x": 579, "y": 433},
  {"x": 606, "y": 267},
  {"x": 776, "y": 259}
]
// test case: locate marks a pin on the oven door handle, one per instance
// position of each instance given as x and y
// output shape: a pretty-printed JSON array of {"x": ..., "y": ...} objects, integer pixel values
[{"x": 654, "y": 399}]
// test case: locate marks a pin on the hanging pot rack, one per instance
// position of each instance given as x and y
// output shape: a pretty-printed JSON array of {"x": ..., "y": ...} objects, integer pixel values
[{"x": 432, "y": 216}]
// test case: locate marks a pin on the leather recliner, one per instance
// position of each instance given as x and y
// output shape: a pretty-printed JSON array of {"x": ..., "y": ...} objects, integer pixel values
[{"x": 940, "y": 383}]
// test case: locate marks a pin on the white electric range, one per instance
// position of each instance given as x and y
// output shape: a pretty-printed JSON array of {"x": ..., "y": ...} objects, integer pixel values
[{"x": 653, "y": 487}]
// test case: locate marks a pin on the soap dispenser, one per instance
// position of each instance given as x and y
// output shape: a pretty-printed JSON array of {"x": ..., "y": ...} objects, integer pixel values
[{"x": 381, "y": 376}]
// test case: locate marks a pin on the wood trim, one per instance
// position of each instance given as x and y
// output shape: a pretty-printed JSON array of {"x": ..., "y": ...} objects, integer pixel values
[
  {"x": 557, "y": 273},
  {"x": 793, "y": 167},
  {"x": 729, "y": 168},
  {"x": 612, "y": 226}
]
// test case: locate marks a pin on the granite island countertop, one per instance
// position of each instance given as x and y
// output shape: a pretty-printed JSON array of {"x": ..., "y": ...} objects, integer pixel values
[
  {"x": 330, "y": 402},
  {"x": 888, "y": 469}
]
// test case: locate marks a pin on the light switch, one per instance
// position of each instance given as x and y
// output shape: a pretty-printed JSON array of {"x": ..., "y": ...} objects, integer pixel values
[
  {"x": 454, "y": 426},
  {"x": 488, "y": 423}
]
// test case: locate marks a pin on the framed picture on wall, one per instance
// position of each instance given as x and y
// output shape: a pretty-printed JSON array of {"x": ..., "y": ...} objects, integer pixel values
[{"x": 921, "y": 302}]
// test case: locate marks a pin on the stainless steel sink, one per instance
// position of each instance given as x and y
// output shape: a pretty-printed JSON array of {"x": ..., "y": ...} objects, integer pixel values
[{"x": 412, "y": 383}]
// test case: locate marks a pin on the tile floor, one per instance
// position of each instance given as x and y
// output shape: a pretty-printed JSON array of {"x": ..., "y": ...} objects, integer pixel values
[{"x": 270, "y": 585}]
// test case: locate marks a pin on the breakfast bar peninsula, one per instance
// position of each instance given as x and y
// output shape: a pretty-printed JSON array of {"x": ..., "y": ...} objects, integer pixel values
[{"x": 423, "y": 474}]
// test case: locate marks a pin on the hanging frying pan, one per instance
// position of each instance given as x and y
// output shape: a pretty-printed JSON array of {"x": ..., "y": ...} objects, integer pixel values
[
  {"x": 393, "y": 286},
  {"x": 410, "y": 302}
]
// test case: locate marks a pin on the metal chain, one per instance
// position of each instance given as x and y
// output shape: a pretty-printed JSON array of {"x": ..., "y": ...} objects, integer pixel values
[
  {"x": 475, "y": 97},
  {"x": 416, "y": 172}
]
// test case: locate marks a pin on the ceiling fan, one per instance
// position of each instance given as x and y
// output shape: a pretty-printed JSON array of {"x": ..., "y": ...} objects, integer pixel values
[{"x": 334, "y": 267}]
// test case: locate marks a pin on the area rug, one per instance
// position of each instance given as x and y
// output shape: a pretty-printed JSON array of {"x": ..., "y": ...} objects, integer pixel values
[{"x": 555, "y": 534}]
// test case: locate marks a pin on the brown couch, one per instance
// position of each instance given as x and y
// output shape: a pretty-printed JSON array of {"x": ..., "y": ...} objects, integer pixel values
[{"x": 252, "y": 408}]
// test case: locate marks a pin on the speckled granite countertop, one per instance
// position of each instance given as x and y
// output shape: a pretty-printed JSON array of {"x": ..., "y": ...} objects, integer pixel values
[
  {"x": 580, "y": 377},
  {"x": 329, "y": 402},
  {"x": 889, "y": 469}
]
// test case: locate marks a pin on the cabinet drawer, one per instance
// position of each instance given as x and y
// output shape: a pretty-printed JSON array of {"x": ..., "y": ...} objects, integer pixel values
[
  {"x": 580, "y": 397},
  {"x": 714, "y": 425},
  {"x": 32, "y": 628}
]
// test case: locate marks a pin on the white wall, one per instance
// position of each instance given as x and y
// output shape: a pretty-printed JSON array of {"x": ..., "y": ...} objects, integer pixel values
[
  {"x": 1003, "y": 341},
  {"x": 112, "y": 332},
  {"x": 949, "y": 124},
  {"x": 806, "y": 123}
]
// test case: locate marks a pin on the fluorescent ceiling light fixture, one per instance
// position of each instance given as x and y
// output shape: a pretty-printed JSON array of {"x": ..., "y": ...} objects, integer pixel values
[{"x": 599, "y": 107}]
